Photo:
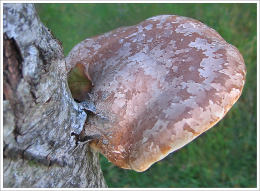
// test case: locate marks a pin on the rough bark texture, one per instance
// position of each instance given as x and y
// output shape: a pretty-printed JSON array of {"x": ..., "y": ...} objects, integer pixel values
[{"x": 39, "y": 112}]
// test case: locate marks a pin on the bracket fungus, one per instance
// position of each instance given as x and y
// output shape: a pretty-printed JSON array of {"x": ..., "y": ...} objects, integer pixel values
[{"x": 156, "y": 86}]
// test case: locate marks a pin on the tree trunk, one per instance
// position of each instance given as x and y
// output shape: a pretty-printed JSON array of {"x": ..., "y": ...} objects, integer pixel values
[{"x": 39, "y": 112}]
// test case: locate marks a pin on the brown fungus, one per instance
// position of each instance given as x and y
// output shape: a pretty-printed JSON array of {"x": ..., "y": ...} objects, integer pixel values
[{"x": 157, "y": 86}]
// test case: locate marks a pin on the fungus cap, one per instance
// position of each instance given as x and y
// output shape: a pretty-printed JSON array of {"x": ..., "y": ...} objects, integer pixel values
[{"x": 157, "y": 85}]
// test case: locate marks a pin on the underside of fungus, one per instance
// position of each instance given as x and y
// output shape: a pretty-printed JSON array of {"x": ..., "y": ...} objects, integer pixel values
[{"x": 156, "y": 86}]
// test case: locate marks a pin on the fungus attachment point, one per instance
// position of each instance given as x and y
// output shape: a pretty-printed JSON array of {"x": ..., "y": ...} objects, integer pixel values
[
  {"x": 79, "y": 83},
  {"x": 159, "y": 85},
  {"x": 79, "y": 138}
]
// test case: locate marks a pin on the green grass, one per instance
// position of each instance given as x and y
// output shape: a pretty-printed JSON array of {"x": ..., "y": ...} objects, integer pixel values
[{"x": 224, "y": 156}]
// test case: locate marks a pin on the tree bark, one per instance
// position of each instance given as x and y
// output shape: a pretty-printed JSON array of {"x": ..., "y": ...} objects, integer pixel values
[{"x": 39, "y": 113}]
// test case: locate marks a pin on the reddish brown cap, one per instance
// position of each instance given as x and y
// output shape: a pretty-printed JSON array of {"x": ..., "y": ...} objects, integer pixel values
[{"x": 158, "y": 85}]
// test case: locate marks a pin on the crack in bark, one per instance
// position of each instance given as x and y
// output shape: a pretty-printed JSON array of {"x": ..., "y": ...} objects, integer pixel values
[
  {"x": 12, "y": 67},
  {"x": 17, "y": 153}
]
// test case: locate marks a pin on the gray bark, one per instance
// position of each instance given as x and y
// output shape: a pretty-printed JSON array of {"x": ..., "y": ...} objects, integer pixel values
[{"x": 38, "y": 111}]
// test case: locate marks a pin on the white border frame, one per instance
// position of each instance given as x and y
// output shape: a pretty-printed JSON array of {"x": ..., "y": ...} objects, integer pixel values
[{"x": 128, "y": 1}]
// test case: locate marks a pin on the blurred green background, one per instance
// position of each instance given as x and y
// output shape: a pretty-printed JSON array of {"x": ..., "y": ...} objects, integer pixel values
[{"x": 224, "y": 156}]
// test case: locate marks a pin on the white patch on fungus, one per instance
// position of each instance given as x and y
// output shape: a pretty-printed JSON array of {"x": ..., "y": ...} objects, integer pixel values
[
  {"x": 188, "y": 29},
  {"x": 148, "y": 27}
]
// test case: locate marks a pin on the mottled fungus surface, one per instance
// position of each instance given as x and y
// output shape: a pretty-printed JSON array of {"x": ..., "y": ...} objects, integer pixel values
[{"x": 157, "y": 85}]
